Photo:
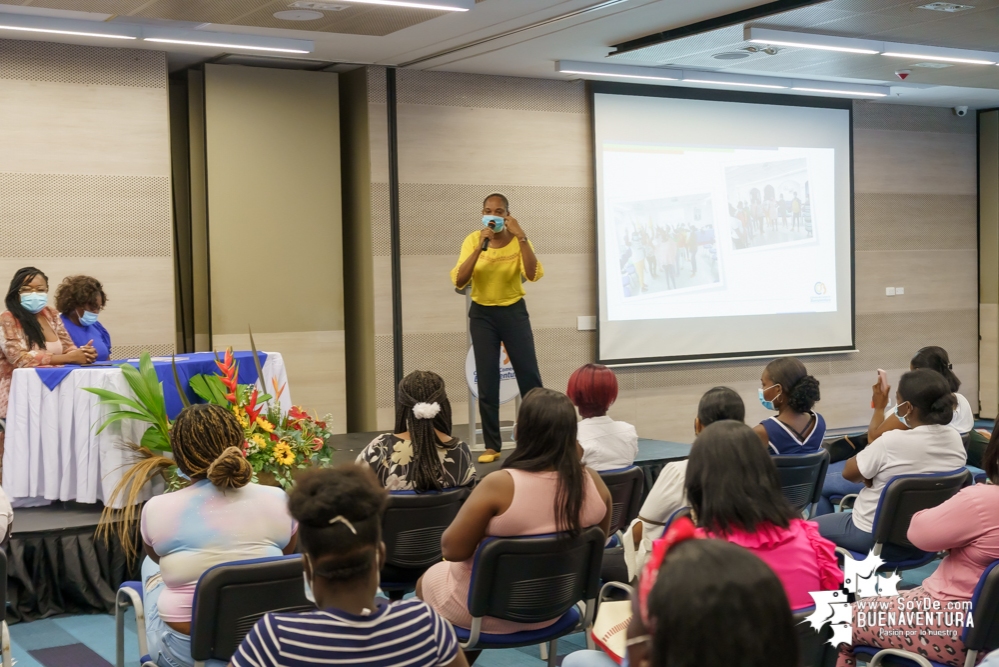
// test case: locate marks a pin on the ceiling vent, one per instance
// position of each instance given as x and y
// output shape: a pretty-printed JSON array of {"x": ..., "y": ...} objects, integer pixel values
[
  {"x": 321, "y": 6},
  {"x": 945, "y": 7},
  {"x": 731, "y": 55}
]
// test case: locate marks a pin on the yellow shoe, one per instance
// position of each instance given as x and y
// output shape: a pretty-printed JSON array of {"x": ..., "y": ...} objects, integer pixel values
[{"x": 489, "y": 457}]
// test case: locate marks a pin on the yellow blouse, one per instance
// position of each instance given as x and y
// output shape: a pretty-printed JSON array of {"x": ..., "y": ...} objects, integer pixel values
[{"x": 496, "y": 278}]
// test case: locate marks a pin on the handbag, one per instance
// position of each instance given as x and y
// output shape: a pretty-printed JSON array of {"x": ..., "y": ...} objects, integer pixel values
[{"x": 609, "y": 631}]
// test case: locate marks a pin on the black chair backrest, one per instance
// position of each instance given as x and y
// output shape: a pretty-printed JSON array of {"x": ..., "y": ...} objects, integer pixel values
[
  {"x": 984, "y": 635},
  {"x": 905, "y": 495},
  {"x": 801, "y": 477},
  {"x": 536, "y": 578},
  {"x": 230, "y": 598},
  {"x": 413, "y": 525},
  {"x": 626, "y": 486},
  {"x": 677, "y": 513}
]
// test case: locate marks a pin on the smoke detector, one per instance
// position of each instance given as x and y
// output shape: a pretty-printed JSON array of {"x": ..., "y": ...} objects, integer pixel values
[
  {"x": 949, "y": 7},
  {"x": 731, "y": 55},
  {"x": 298, "y": 15}
]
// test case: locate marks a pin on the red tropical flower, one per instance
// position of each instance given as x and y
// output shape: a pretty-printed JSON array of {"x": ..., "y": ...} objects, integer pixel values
[
  {"x": 252, "y": 410},
  {"x": 317, "y": 444}
]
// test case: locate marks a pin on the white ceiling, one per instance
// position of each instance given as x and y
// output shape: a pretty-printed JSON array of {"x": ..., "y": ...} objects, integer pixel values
[{"x": 589, "y": 36}]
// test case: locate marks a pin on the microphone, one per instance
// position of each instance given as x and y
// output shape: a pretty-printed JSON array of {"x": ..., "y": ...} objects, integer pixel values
[{"x": 485, "y": 242}]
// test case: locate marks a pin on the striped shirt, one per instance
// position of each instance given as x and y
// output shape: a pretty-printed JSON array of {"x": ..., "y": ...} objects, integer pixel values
[{"x": 407, "y": 633}]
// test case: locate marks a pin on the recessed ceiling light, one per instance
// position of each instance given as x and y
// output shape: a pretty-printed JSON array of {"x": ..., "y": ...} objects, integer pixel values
[
  {"x": 621, "y": 76},
  {"x": 933, "y": 65},
  {"x": 732, "y": 83},
  {"x": 74, "y": 33},
  {"x": 189, "y": 42},
  {"x": 820, "y": 47},
  {"x": 453, "y": 6},
  {"x": 731, "y": 55},
  {"x": 833, "y": 91},
  {"x": 946, "y": 59},
  {"x": 298, "y": 15},
  {"x": 945, "y": 7}
]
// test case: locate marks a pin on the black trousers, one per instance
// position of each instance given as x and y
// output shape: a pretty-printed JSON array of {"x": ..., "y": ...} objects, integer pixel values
[{"x": 511, "y": 326}]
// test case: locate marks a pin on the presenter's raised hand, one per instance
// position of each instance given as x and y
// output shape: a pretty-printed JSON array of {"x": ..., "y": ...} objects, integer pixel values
[{"x": 511, "y": 223}]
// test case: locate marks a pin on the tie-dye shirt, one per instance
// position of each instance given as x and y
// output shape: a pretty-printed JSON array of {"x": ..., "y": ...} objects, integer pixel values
[{"x": 200, "y": 526}]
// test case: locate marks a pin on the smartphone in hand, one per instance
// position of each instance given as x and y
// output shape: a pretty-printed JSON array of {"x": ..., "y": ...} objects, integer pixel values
[{"x": 882, "y": 382}]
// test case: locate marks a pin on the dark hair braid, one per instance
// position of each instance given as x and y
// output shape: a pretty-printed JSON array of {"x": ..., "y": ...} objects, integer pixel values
[
  {"x": 28, "y": 321},
  {"x": 425, "y": 473},
  {"x": 207, "y": 443}
]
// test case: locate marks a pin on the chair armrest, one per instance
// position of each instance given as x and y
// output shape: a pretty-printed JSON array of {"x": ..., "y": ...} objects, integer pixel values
[
  {"x": 884, "y": 653},
  {"x": 844, "y": 553},
  {"x": 851, "y": 497}
]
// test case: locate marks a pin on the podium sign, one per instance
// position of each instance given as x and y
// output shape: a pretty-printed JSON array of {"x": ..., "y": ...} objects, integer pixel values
[{"x": 508, "y": 380}]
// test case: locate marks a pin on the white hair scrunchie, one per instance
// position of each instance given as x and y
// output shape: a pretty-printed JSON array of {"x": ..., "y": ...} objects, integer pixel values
[{"x": 426, "y": 410}]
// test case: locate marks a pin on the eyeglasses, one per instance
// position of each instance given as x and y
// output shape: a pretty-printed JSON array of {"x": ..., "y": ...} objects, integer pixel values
[{"x": 28, "y": 289}]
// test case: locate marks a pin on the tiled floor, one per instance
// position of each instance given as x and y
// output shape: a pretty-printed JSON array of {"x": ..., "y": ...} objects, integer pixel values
[{"x": 89, "y": 641}]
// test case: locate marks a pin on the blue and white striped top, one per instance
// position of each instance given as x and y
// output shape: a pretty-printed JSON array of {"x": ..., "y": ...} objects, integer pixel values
[{"x": 407, "y": 633}]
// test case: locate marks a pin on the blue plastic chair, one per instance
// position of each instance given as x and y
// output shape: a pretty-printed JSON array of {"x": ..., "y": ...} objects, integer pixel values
[
  {"x": 901, "y": 498},
  {"x": 983, "y": 636},
  {"x": 228, "y": 600},
  {"x": 533, "y": 579}
]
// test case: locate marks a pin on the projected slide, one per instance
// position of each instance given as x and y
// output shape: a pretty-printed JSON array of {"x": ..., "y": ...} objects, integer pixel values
[{"x": 719, "y": 239}]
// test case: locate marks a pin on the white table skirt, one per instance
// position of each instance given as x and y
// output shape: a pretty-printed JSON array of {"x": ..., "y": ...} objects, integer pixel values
[{"x": 52, "y": 451}]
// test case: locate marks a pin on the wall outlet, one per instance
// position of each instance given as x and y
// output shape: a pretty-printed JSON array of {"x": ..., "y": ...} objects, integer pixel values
[
  {"x": 586, "y": 323},
  {"x": 889, "y": 291},
  {"x": 899, "y": 291}
]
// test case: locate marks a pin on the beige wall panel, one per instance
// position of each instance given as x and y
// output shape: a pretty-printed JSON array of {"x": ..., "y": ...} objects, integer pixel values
[
  {"x": 140, "y": 307},
  {"x": 493, "y": 146},
  {"x": 274, "y": 199},
  {"x": 382, "y": 268},
  {"x": 315, "y": 364},
  {"x": 567, "y": 290},
  {"x": 378, "y": 138},
  {"x": 893, "y": 221},
  {"x": 69, "y": 128},
  {"x": 914, "y": 162},
  {"x": 429, "y": 302},
  {"x": 989, "y": 359},
  {"x": 933, "y": 280}
]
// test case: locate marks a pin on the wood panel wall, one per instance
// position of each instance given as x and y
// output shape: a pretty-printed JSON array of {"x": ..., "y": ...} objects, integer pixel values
[{"x": 85, "y": 179}]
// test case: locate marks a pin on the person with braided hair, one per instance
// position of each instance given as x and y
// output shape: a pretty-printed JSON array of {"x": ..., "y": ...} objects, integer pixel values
[
  {"x": 421, "y": 455},
  {"x": 339, "y": 512},
  {"x": 221, "y": 517},
  {"x": 787, "y": 388}
]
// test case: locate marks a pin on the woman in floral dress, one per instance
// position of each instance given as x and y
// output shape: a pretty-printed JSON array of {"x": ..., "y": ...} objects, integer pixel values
[{"x": 421, "y": 455}]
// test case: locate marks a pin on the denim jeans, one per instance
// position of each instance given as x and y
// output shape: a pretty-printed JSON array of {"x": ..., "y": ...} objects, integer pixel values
[
  {"x": 167, "y": 647},
  {"x": 835, "y": 485}
]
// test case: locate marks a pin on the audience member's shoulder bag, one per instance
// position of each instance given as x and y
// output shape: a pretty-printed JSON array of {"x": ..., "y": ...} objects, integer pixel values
[{"x": 610, "y": 627}]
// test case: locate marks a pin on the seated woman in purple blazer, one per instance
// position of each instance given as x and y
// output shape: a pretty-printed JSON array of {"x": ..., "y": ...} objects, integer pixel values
[{"x": 80, "y": 299}]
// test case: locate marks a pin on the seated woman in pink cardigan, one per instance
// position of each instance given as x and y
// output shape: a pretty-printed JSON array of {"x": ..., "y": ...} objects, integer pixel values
[
  {"x": 734, "y": 491},
  {"x": 967, "y": 526}
]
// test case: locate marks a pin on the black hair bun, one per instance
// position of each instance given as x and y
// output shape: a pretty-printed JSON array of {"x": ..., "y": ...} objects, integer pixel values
[
  {"x": 804, "y": 394},
  {"x": 942, "y": 410},
  {"x": 349, "y": 491}
]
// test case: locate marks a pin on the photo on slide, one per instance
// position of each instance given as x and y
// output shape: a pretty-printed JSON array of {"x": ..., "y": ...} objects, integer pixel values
[
  {"x": 666, "y": 244},
  {"x": 769, "y": 203}
]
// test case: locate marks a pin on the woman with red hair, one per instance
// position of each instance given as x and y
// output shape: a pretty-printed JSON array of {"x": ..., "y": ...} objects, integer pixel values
[{"x": 607, "y": 444}]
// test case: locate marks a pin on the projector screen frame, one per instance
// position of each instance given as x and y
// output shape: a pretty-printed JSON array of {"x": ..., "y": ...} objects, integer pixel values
[{"x": 676, "y": 92}]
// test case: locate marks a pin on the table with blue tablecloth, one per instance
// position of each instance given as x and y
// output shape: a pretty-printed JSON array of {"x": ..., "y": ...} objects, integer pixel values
[{"x": 52, "y": 450}]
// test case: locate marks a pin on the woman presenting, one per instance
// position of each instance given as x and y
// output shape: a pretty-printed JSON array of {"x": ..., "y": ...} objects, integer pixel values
[{"x": 495, "y": 260}]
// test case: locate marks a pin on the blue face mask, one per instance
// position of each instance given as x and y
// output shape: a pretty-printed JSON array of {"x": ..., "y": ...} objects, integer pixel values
[
  {"x": 498, "y": 222},
  {"x": 900, "y": 417},
  {"x": 33, "y": 302},
  {"x": 769, "y": 405},
  {"x": 88, "y": 318}
]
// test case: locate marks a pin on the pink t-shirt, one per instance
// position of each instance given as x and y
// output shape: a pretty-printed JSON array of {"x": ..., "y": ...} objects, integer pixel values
[
  {"x": 967, "y": 525},
  {"x": 200, "y": 526},
  {"x": 803, "y": 560}
]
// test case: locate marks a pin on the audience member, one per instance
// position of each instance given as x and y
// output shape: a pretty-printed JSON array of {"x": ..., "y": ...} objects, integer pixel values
[
  {"x": 421, "y": 455},
  {"x": 220, "y": 517},
  {"x": 925, "y": 406},
  {"x": 787, "y": 388},
  {"x": 967, "y": 527},
  {"x": 339, "y": 514},
  {"x": 33, "y": 334},
  {"x": 80, "y": 300},
  {"x": 607, "y": 444},
  {"x": 705, "y": 602},
  {"x": 542, "y": 488},
  {"x": 735, "y": 494},
  {"x": 6, "y": 518},
  {"x": 667, "y": 494}
]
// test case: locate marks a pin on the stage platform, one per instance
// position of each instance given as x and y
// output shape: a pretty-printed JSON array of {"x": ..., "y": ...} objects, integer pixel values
[{"x": 57, "y": 566}]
